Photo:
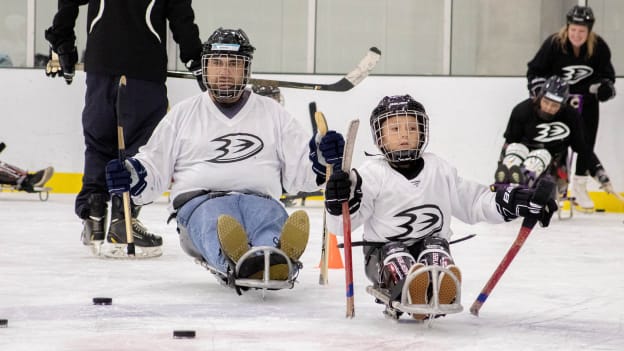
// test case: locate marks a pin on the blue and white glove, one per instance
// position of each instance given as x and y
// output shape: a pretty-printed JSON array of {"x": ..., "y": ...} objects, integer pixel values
[
  {"x": 128, "y": 175},
  {"x": 326, "y": 150}
]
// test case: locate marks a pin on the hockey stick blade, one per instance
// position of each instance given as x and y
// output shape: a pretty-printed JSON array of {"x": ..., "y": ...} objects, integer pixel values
[{"x": 351, "y": 79}]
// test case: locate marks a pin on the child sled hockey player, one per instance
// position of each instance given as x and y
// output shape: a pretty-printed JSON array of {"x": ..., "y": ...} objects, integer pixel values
[
  {"x": 405, "y": 199},
  {"x": 537, "y": 138},
  {"x": 229, "y": 151}
]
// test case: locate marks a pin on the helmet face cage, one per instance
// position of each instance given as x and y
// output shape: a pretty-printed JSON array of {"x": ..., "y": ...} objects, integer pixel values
[
  {"x": 401, "y": 135},
  {"x": 582, "y": 15},
  {"x": 225, "y": 75},
  {"x": 226, "y": 63}
]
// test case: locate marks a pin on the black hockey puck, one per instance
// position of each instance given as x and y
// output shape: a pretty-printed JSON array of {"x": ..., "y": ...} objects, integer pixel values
[
  {"x": 102, "y": 301},
  {"x": 600, "y": 210},
  {"x": 4, "y": 323},
  {"x": 183, "y": 334}
]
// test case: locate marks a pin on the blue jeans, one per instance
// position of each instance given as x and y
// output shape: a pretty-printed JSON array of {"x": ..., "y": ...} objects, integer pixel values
[{"x": 262, "y": 219}]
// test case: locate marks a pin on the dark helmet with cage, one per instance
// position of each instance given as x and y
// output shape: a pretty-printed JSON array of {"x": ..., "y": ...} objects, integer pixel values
[
  {"x": 396, "y": 106},
  {"x": 582, "y": 15},
  {"x": 271, "y": 91},
  {"x": 556, "y": 89},
  {"x": 229, "y": 53}
]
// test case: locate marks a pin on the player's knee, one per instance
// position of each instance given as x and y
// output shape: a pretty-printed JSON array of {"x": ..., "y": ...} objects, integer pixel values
[{"x": 435, "y": 251}]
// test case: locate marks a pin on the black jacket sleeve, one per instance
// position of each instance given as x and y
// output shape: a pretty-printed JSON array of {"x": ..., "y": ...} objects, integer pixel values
[
  {"x": 62, "y": 31},
  {"x": 605, "y": 68},
  {"x": 541, "y": 64},
  {"x": 185, "y": 32}
]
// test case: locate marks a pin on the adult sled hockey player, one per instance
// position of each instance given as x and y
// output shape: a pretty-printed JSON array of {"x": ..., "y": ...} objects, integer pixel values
[
  {"x": 405, "y": 198},
  {"x": 583, "y": 59},
  {"x": 228, "y": 152},
  {"x": 537, "y": 138}
]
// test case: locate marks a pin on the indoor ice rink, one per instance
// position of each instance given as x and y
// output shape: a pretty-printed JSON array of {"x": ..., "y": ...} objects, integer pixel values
[{"x": 465, "y": 60}]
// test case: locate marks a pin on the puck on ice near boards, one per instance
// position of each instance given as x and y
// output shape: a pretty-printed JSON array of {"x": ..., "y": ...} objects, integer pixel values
[
  {"x": 102, "y": 301},
  {"x": 600, "y": 210},
  {"x": 4, "y": 323},
  {"x": 183, "y": 334}
]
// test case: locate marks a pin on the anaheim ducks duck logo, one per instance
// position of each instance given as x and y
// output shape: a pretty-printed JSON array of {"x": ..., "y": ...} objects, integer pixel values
[
  {"x": 237, "y": 147},
  {"x": 575, "y": 73},
  {"x": 421, "y": 220},
  {"x": 551, "y": 131}
]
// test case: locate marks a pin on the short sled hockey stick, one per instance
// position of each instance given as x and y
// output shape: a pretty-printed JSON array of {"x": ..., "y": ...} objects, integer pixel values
[
  {"x": 346, "y": 218},
  {"x": 527, "y": 227},
  {"x": 351, "y": 79},
  {"x": 321, "y": 126},
  {"x": 121, "y": 105}
]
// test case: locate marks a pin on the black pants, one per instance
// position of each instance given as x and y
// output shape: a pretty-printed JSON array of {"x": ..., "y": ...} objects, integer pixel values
[
  {"x": 146, "y": 105},
  {"x": 589, "y": 123}
]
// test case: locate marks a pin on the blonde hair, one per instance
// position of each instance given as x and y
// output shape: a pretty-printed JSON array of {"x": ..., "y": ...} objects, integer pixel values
[{"x": 562, "y": 39}]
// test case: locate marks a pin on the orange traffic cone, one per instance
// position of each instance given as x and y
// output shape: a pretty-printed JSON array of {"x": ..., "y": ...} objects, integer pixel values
[{"x": 334, "y": 258}]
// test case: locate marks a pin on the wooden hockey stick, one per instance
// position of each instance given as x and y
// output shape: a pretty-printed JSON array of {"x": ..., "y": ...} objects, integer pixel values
[
  {"x": 312, "y": 113},
  {"x": 346, "y": 217},
  {"x": 120, "y": 105},
  {"x": 351, "y": 79},
  {"x": 544, "y": 187},
  {"x": 321, "y": 125}
]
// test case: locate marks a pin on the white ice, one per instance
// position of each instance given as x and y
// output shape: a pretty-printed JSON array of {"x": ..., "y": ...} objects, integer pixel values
[{"x": 564, "y": 291}]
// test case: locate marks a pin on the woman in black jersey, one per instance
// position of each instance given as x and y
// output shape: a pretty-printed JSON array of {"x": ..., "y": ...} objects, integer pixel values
[{"x": 583, "y": 59}]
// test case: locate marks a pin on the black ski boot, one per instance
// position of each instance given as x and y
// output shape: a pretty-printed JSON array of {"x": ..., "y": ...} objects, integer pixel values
[{"x": 149, "y": 244}]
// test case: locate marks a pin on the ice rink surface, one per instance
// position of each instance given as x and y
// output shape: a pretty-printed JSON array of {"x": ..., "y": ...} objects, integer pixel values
[{"x": 564, "y": 291}]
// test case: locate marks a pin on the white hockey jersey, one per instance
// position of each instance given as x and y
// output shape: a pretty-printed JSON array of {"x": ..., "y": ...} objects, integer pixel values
[
  {"x": 394, "y": 208},
  {"x": 197, "y": 147}
]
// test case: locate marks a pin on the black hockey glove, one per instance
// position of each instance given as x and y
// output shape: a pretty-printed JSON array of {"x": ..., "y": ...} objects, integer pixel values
[
  {"x": 516, "y": 201},
  {"x": 606, "y": 90},
  {"x": 195, "y": 67},
  {"x": 128, "y": 175},
  {"x": 62, "y": 62},
  {"x": 326, "y": 150},
  {"x": 535, "y": 86},
  {"x": 338, "y": 190}
]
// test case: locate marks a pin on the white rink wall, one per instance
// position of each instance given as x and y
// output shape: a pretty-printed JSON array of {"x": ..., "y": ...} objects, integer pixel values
[{"x": 41, "y": 117}]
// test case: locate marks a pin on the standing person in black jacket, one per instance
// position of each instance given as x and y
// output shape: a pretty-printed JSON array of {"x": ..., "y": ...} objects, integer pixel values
[
  {"x": 124, "y": 38},
  {"x": 583, "y": 59}
]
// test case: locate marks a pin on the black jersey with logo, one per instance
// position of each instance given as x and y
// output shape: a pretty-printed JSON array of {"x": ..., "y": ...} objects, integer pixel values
[
  {"x": 555, "y": 135},
  {"x": 580, "y": 72}
]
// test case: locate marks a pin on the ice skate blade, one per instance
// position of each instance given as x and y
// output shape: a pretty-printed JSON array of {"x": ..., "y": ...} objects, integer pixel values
[{"x": 120, "y": 251}]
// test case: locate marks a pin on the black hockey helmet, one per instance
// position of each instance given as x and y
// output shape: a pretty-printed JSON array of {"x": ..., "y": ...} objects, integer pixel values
[
  {"x": 397, "y": 105},
  {"x": 556, "y": 89},
  {"x": 582, "y": 15},
  {"x": 223, "y": 45},
  {"x": 228, "y": 41}
]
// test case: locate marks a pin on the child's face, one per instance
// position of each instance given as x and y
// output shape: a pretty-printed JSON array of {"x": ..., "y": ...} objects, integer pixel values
[{"x": 400, "y": 133}]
